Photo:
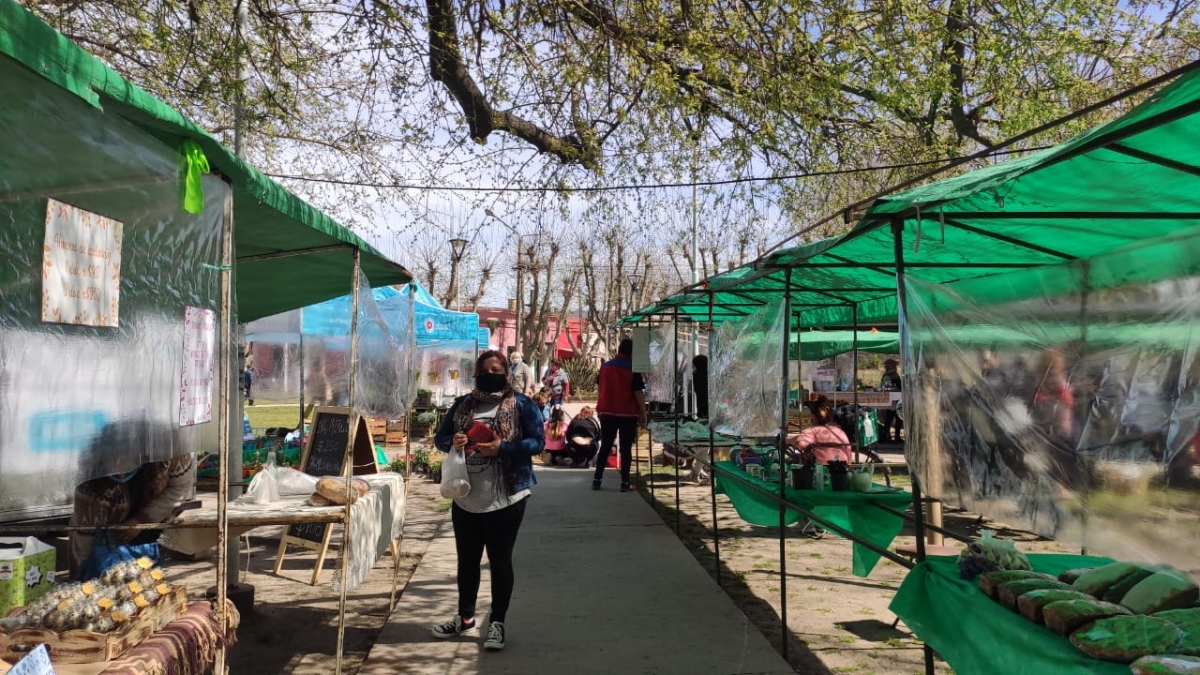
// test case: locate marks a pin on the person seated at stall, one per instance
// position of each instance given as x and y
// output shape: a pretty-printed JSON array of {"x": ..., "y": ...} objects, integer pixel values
[
  {"x": 890, "y": 423},
  {"x": 556, "y": 434},
  {"x": 826, "y": 439},
  {"x": 583, "y": 438},
  {"x": 147, "y": 493}
]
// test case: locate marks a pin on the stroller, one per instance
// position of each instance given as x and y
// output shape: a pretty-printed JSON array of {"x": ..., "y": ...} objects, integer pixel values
[{"x": 583, "y": 442}]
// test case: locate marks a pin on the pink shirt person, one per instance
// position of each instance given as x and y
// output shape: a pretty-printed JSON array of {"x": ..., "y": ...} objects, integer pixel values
[{"x": 827, "y": 441}]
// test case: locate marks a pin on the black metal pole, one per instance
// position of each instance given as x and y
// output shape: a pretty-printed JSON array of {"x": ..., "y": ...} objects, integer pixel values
[
  {"x": 905, "y": 364},
  {"x": 712, "y": 458},
  {"x": 854, "y": 385},
  {"x": 676, "y": 416},
  {"x": 783, "y": 419}
]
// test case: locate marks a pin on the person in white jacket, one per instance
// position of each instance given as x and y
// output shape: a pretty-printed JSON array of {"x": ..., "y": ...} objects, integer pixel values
[{"x": 521, "y": 375}]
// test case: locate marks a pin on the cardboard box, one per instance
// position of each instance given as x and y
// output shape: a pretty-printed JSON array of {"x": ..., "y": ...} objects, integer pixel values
[{"x": 26, "y": 571}]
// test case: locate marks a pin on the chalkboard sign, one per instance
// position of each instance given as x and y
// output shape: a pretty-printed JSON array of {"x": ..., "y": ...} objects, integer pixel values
[{"x": 325, "y": 455}]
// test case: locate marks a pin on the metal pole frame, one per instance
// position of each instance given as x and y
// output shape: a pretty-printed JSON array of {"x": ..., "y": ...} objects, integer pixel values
[
  {"x": 224, "y": 375},
  {"x": 712, "y": 458},
  {"x": 854, "y": 384},
  {"x": 677, "y": 416},
  {"x": 906, "y": 365},
  {"x": 349, "y": 462},
  {"x": 783, "y": 422}
]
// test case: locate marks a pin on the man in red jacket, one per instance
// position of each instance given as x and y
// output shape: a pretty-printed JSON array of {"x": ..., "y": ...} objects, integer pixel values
[{"x": 621, "y": 407}]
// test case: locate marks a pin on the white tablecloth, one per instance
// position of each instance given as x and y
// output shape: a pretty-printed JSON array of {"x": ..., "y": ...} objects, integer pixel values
[{"x": 376, "y": 520}]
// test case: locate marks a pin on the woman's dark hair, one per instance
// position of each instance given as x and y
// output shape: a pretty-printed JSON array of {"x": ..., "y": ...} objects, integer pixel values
[
  {"x": 821, "y": 409},
  {"x": 490, "y": 354},
  {"x": 700, "y": 361},
  {"x": 625, "y": 347}
]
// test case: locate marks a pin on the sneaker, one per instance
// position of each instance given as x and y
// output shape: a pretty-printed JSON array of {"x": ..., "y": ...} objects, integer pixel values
[
  {"x": 595, "y": 485},
  {"x": 624, "y": 487},
  {"x": 455, "y": 626},
  {"x": 495, "y": 636}
]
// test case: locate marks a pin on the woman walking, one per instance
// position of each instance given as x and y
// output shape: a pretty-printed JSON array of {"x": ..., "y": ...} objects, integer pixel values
[{"x": 500, "y": 431}]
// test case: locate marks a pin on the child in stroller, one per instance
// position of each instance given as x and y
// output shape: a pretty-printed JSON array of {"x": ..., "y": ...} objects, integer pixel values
[{"x": 582, "y": 441}]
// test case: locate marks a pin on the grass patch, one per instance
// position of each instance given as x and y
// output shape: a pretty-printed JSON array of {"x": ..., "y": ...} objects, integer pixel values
[
  {"x": 846, "y": 639},
  {"x": 262, "y": 417},
  {"x": 444, "y": 505}
]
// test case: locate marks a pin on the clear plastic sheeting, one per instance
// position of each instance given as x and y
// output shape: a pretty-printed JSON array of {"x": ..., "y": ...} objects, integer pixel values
[
  {"x": 660, "y": 381},
  {"x": 80, "y": 402},
  {"x": 1068, "y": 402},
  {"x": 745, "y": 372},
  {"x": 446, "y": 370},
  {"x": 309, "y": 348}
]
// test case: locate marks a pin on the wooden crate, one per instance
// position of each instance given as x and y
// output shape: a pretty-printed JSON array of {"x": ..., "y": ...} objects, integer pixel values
[{"x": 82, "y": 646}]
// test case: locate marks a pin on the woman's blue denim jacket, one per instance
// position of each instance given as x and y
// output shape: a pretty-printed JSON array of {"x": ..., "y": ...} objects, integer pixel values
[{"x": 515, "y": 456}]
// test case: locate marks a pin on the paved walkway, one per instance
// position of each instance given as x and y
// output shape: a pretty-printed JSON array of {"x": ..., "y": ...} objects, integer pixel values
[{"x": 603, "y": 586}]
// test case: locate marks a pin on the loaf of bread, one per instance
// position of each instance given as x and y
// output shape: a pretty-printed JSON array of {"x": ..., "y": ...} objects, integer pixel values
[
  {"x": 1031, "y": 604},
  {"x": 1098, "y": 581},
  {"x": 1069, "y": 576},
  {"x": 1125, "y": 639},
  {"x": 1009, "y": 591},
  {"x": 1066, "y": 616},
  {"x": 1161, "y": 591},
  {"x": 315, "y": 499},
  {"x": 1188, "y": 622},
  {"x": 989, "y": 582},
  {"x": 1118, "y": 590},
  {"x": 1166, "y": 665},
  {"x": 333, "y": 488}
]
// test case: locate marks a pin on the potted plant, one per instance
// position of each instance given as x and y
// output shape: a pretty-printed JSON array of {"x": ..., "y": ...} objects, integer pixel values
[
  {"x": 424, "y": 398},
  {"x": 398, "y": 466},
  {"x": 421, "y": 461},
  {"x": 435, "y": 472},
  {"x": 839, "y": 475},
  {"x": 804, "y": 476},
  {"x": 420, "y": 423},
  {"x": 860, "y": 480}
]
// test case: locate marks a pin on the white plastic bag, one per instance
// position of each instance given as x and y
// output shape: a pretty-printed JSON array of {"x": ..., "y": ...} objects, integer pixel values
[
  {"x": 294, "y": 482},
  {"x": 456, "y": 483},
  {"x": 264, "y": 489}
]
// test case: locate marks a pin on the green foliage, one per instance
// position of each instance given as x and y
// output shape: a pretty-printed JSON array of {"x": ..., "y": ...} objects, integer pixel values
[
  {"x": 583, "y": 375},
  {"x": 398, "y": 466},
  {"x": 421, "y": 456}
]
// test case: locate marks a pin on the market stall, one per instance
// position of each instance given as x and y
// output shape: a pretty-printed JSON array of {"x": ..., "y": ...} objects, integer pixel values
[{"x": 128, "y": 210}]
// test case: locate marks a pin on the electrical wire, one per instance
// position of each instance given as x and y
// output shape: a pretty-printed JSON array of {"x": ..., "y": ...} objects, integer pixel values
[{"x": 649, "y": 186}]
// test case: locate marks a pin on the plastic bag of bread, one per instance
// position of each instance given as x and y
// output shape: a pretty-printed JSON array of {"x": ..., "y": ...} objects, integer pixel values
[
  {"x": 1065, "y": 616},
  {"x": 1188, "y": 621},
  {"x": 1098, "y": 581},
  {"x": 989, "y": 582},
  {"x": 1166, "y": 665},
  {"x": 1125, "y": 639},
  {"x": 333, "y": 488},
  {"x": 1031, "y": 604},
  {"x": 1009, "y": 591}
]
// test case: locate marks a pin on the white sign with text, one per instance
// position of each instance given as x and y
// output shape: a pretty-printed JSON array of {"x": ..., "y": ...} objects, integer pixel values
[
  {"x": 196, "y": 383},
  {"x": 81, "y": 267}
]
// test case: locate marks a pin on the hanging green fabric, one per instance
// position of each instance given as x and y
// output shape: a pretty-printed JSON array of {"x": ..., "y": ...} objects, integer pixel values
[{"x": 195, "y": 166}]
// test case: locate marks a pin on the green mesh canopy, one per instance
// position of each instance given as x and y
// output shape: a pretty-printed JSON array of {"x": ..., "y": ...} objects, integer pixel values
[
  {"x": 268, "y": 219},
  {"x": 1133, "y": 180}
]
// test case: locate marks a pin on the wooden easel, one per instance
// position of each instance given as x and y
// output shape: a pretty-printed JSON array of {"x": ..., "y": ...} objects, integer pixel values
[{"x": 325, "y": 455}]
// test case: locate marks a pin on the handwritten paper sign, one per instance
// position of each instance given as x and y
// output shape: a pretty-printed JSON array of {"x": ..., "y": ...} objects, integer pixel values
[
  {"x": 196, "y": 384},
  {"x": 81, "y": 267},
  {"x": 36, "y": 662}
]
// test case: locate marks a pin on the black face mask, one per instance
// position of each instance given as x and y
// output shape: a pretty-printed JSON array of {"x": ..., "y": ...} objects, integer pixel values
[{"x": 491, "y": 383}]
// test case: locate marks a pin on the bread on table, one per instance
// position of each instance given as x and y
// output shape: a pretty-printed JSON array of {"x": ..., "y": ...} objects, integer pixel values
[
  {"x": 333, "y": 488},
  {"x": 1167, "y": 664},
  {"x": 1118, "y": 590},
  {"x": 989, "y": 582},
  {"x": 1032, "y": 603},
  {"x": 1009, "y": 591},
  {"x": 1162, "y": 591},
  {"x": 1098, "y": 581},
  {"x": 1188, "y": 622},
  {"x": 1066, "y": 616},
  {"x": 1125, "y": 639},
  {"x": 1069, "y": 576}
]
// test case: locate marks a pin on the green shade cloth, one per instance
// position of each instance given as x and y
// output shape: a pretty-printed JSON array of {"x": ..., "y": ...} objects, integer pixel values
[
  {"x": 978, "y": 636},
  {"x": 268, "y": 219},
  {"x": 851, "y": 511},
  {"x": 1121, "y": 184}
]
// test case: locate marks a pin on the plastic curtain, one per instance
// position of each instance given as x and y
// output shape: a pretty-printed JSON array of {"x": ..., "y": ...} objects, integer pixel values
[
  {"x": 446, "y": 370},
  {"x": 1072, "y": 411},
  {"x": 79, "y": 402},
  {"x": 660, "y": 381},
  {"x": 383, "y": 375},
  {"x": 745, "y": 373}
]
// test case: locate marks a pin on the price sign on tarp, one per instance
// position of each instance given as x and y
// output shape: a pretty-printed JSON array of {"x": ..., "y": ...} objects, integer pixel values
[
  {"x": 81, "y": 267},
  {"x": 196, "y": 382}
]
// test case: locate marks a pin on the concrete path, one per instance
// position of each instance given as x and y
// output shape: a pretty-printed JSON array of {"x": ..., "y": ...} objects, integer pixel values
[{"x": 603, "y": 586}]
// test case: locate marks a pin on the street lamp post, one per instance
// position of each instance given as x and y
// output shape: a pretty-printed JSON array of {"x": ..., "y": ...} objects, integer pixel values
[
  {"x": 520, "y": 280},
  {"x": 458, "y": 246}
]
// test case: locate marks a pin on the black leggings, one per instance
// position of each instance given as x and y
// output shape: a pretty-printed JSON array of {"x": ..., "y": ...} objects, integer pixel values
[
  {"x": 497, "y": 532},
  {"x": 610, "y": 426}
]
